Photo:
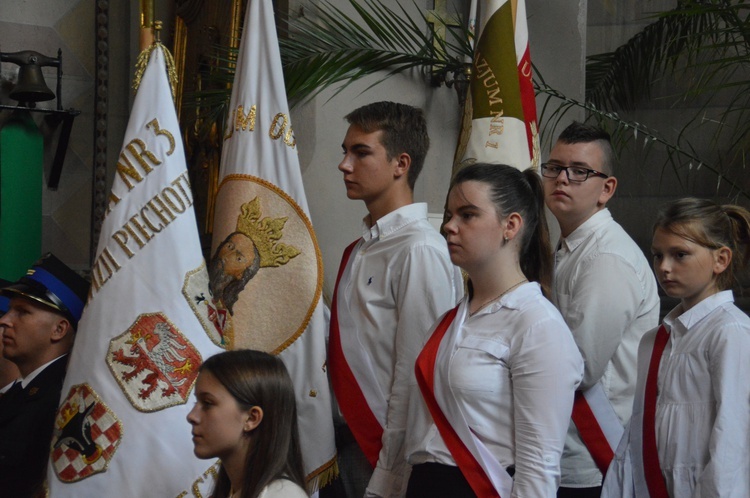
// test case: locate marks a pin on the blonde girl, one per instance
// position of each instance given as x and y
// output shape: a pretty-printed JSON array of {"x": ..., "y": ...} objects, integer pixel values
[{"x": 691, "y": 416}]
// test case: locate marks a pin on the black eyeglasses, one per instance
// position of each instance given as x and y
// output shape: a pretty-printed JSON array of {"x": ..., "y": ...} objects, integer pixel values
[{"x": 574, "y": 173}]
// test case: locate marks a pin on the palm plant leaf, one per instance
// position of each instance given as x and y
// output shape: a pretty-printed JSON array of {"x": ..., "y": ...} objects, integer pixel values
[
  {"x": 680, "y": 153},
  {"x": 334, "y": 48},
  {"x": 704, "y": 45},
  {"x": 703, "y": 37},
  {"x": 706, "y": 40}
]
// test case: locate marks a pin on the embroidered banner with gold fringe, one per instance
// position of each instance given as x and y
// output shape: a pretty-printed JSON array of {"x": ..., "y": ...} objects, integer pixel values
[
  {"x": 266, "y": 269},
  {"x": 121, "y": 428}
]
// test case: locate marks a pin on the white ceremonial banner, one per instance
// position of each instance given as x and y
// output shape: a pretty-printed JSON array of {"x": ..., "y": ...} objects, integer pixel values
[
  {"x": 121, "y": 429},
  {"x": 266, "y": 268}
]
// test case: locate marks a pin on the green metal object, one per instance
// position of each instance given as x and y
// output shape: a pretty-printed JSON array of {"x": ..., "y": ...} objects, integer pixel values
[{"x": 21, "y": 168}]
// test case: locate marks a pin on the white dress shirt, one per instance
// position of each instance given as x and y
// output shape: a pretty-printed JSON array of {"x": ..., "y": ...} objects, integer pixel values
[
  {"x": 282, "y": 488},
  {"x": 401, "y": 280},
  {"x": 6, "y": 387},
  {"x": 514, "y": 371},
  {"x": 607, "y": 293},
  {"x": 703, "y": 405},
  {"x": 25, "y": 381}
]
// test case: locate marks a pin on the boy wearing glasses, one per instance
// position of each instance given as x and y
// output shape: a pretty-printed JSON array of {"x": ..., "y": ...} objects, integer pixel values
[{"x": 605, "y": 290}]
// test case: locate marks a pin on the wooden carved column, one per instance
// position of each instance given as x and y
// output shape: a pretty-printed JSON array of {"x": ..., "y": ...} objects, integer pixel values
[{"x": 201, "y": 27}]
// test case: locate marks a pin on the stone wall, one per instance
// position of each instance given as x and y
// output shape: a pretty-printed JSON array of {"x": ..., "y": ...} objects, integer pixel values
[{"x": 45, "y": 26}]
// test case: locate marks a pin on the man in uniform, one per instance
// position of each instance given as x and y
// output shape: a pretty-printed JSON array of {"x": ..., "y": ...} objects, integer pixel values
[
  {"x": 38, "y": 332},
  {"x": 8, "y": 370}
]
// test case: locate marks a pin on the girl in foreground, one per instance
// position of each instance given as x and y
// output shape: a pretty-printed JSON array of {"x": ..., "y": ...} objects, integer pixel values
[
  {"x": 691, "y": 414},
  {"x": 245, "y": 415},
  {"x": 498, "y": 376}
]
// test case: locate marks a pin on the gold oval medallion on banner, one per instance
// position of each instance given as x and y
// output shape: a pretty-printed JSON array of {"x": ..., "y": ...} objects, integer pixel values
[{"x": 265, "y": 269}]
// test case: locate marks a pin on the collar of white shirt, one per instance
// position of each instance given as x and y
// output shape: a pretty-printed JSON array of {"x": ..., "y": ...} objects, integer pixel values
[
  {"x": 678, "y": 321},
  {"x": 5, "y": 388},
  {"x": 394, "y": 221},
  {"x": 27, "y": 380},
  {"x": 586, "y": 230}
]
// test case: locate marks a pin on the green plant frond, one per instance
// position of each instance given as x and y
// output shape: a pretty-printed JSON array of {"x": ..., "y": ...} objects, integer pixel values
[
  {"x": 702, "y": 44},
  {"x": 703, "y": 48},
  {"x": 624, "y": 132},
  {"x": 623, "y": 78},
  {"x": 335, "y": 48},
  {"x": 388, "y": 28}
]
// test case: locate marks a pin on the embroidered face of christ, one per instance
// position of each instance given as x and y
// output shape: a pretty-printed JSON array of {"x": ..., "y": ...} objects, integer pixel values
[{"x": 233, "y": 265}]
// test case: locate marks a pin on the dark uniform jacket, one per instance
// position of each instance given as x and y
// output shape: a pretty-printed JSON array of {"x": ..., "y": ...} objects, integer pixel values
[{"x": 26, "y": 425}]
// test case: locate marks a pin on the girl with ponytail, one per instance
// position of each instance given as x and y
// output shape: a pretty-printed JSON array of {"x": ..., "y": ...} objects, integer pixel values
[
  {"x": 498, "y": 375},
  {"x": 691, "y": 412}
]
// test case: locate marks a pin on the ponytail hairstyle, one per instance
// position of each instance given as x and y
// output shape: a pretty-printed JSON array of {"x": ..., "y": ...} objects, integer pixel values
[
  {"x": 254, "y": 378},
  {"x": 513, "y": 191},
  {"x": 712, "y": 226}
]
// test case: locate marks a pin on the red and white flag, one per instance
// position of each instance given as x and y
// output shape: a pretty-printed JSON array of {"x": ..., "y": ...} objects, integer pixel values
[{"x": 266, "y": 267}]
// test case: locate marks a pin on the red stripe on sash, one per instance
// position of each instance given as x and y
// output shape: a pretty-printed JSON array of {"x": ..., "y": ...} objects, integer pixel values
[
  {"x": 591, "y": 433},
  {"x": 657, "y": 488},
  {"x": 425, "y": 372},
  {"x": 362, "y": 422}
]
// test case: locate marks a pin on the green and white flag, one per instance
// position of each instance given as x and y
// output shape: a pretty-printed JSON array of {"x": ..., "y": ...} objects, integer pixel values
[{"x": 500, "y": 123}]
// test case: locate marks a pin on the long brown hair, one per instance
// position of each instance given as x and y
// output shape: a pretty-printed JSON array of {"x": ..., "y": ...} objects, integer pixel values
[
  {"x": 254, "y": 378},
  {"x": 514, "y": 191}
]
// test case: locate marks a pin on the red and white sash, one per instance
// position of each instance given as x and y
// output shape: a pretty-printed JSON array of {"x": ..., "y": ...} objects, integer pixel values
[
  {"x": 598, "y": 425},
  {"x": 647, "y": 474},
  {"x": 366, "y": 426},
  {"x": 485, "y": 474},
  {"x": 618, "y": 481}
]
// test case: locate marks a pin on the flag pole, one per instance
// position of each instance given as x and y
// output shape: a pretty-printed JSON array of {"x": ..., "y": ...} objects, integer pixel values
[{"x": 147, "y": 24}]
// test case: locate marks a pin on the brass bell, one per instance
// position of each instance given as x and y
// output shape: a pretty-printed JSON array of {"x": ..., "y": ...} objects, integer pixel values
[{"x": 31, "y": 86}]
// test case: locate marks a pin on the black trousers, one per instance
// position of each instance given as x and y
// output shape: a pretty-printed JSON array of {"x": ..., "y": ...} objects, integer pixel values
[
  {"x": 579, "y": 492},
  {"x": 354, "y": 468},
  {"x": 435, "y": 480}
]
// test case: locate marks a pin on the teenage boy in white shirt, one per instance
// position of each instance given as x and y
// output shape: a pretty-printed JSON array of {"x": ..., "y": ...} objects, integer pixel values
[
  {"x": 605, "y": 290},
  {"x": 393, "y": 283}
]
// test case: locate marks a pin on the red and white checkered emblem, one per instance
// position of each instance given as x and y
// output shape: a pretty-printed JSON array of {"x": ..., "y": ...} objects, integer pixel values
[
  {"x": 154, "y": 364},
  {"x": 87, "y": 434}
]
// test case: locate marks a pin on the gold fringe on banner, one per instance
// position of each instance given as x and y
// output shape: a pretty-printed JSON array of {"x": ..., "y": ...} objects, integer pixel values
[
  {"x": 144, "y": 56},
  {"x": 323, "y": 476}
]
